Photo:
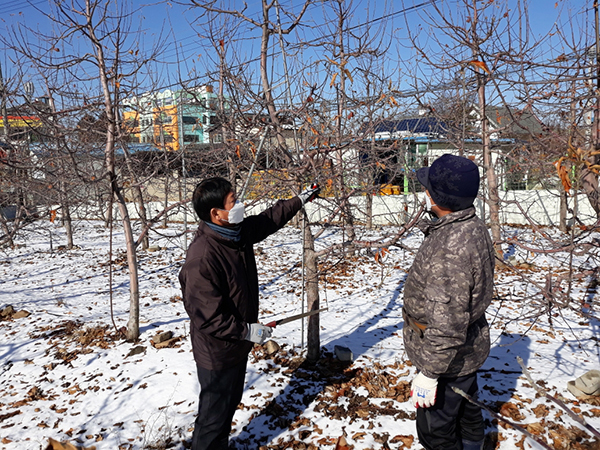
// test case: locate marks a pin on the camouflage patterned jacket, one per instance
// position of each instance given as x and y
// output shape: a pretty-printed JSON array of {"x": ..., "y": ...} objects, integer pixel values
[{"x": 448, "y": 289}]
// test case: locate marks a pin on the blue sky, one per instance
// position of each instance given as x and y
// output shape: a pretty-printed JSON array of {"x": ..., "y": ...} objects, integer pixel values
[{"x": 175, "y": 26}]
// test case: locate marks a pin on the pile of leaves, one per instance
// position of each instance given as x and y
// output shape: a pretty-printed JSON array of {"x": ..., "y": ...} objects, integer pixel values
[
  {"x": 70, "y": 338},
  {"x": 337, "y": 390}
]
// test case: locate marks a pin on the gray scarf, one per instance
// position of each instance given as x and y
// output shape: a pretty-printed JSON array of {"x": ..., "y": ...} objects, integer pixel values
[{"x": 233, "y": 233}]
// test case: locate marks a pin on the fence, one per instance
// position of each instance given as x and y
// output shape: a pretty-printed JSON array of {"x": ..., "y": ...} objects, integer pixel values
[{"x": 542, "y": 207}]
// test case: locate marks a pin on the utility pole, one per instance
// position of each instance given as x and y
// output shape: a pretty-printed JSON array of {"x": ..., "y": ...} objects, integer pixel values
[
  {"x": 463, "y": 101},
  {"x": 179, "y": 105},
  {"x": 596, "y": 127},
  {"x": 3, "y": 106}
]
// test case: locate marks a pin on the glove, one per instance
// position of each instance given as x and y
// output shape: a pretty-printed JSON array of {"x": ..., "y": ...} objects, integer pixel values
[
  {"x": 308, "y": 195},
  {"x": 258, "y": 333},
  {"x": 422, "y": 391}
]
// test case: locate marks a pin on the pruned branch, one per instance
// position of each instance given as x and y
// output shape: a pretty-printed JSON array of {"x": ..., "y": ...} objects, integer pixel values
[
  {"x": 501, "y": 418},
  {"x": 580, "y": 420}
]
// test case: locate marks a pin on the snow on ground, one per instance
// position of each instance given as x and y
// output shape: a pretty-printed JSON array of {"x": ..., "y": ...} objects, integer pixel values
[{"x": 64, "y": 373}]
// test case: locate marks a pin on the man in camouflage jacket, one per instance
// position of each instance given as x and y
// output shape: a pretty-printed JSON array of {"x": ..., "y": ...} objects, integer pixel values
[{"x": 448, "y": 289}]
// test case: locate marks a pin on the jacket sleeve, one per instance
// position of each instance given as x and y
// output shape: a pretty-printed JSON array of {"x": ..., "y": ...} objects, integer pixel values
[
  {"x": 206, "y": 302},
  {"x": 258, "y": 227},
  {"x": 447, "y": 297}
]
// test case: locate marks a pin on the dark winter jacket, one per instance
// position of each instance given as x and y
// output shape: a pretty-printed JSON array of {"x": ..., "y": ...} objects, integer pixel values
[
  {"x": 448, "y": 289},
  {"x": 219, "y": 282}
]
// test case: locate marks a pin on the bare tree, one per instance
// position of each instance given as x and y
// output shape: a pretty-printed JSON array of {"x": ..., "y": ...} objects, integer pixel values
[
  {"x": 110, "y": 50},
  {"x": 23, "y": 186},
  {"x": 268, "y": 29},
  {"x": 308, "y": 111},
  {"x": 477, "y": 48}
]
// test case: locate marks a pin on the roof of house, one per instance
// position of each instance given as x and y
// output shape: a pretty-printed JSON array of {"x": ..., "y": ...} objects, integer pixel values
[
  {"x": 519, "y": 122},
  {"x": 509, "y": 123},
  {"x": 412, "y": 126},
  {"x": 416, "y": 125}
]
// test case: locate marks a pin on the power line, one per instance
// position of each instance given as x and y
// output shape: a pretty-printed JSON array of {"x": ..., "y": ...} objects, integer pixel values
[
  {"x": 367, "y": 23},
  {"x": 171, "y": 52},
  {"x": 13, "y": 6},
  {"x": 372, "y": 21}
]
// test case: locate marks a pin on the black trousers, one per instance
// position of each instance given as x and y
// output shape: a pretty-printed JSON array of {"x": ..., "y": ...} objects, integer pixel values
[
  {"x": 452, "y": 418},
  {"x": 220, "y": 394}
]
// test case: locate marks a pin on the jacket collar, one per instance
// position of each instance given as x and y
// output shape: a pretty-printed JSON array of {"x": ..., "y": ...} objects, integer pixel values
[
  {"x": 428, "y": 225},
  {"x": 203, "y": 228},
  {"x": 234, "y": 233}
]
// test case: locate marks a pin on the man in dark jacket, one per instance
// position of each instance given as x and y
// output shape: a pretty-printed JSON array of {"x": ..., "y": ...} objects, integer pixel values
[
  {"x": 448, "y": 289},
  {"x": 219, "y": 282}
]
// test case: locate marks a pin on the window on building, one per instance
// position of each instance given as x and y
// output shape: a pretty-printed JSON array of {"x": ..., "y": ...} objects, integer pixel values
[
  {"x": 191, "y": 138},
  {"x": 131, "y": 123},
  {"x": 416, "y": 156},
  {"x": 516, "y": 175},
  {"x": 188, "y": 120},
  {"x": 213, "y": 120},
  {"x": 165, "y": 118},
  {"x": 218, "y": 138},
  {"x": 204, "y": 120}
]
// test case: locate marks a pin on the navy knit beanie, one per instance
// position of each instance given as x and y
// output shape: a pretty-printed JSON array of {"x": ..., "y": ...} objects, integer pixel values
[{"x": 452, "y": 181}]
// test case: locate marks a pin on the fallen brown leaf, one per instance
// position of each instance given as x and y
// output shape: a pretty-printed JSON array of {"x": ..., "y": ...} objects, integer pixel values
[
  {"x": 358, "y": 436},
  {"x": 595, "y": 412},
  {"x": 342, "y": 444},
  {"x": 56, "y": 445},
  {"x": 536, "y": 428},
  {"x": 407, "y": 441},
  {"x": 3, "y": 417},
  {"x": 511, "y": 410},
  {"x": 540, "y": 411}
]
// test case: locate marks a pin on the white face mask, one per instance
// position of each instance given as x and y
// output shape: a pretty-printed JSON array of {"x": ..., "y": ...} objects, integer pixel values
[
  {"x": 428, "y": 203},
  {"x": 236, "y": 214}
]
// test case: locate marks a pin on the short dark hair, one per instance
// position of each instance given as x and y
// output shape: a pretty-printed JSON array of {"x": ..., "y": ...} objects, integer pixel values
[{"x": 209, "y": 194}]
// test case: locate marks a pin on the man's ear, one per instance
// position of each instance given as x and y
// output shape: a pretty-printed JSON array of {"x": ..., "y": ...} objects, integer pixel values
[{"x": 214, "y": 214}]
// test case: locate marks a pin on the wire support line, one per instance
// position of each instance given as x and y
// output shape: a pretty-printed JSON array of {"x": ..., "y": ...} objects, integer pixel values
[{"x": 17, "y": 6}]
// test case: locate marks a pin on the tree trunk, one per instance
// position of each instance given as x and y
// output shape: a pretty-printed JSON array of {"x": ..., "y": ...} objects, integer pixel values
[
  {"x": 493, "y": 200},
  {"x": 371, "y": 188},
  {"x": 166, "y": 157},
  {"x": 165, "y": 223},
  {"x": 589, "y": 184},
  {"x": 133, "y": 325},
  {"x": 347, "y": 215},
  {"x": 264, "y": 75},
  {"x": 68, "y": 224},
  {"x": 8, "y": 235},
  {"x": 589, "y": 179},
  {"x": 66, "y": 215},
  {"x": 562, "y": 225},
  {"x": 369, "y": 207},
  {"x": 349, "y": 224},
  {"x": 312, "y": 294},
  {"x": 103, "y": 207},
  {"x": 490, "y": 174},
  {"x": 139, "y": 197}
]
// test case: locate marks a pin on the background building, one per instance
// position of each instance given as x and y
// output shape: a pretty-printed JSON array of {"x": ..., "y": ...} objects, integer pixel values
[{"x": 172, "y": 118}]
